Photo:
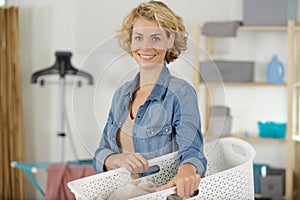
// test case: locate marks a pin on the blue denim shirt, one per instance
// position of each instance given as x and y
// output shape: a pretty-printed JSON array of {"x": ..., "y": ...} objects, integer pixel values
[{"x": 168, "y": 121}]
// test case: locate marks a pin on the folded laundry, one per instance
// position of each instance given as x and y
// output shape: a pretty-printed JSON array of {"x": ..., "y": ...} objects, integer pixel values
[
  {"x": 221, "y": 29},
  {"x": 133, "y": 189}
]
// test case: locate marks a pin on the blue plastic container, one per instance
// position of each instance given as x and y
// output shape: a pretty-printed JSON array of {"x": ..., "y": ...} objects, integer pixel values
[{"x": 272, "y": 130}]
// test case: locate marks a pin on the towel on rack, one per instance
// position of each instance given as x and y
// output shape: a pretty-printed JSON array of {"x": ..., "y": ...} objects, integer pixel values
[
  {"x": 58, "y": 177},
  {"x": 221, "y": 29}
]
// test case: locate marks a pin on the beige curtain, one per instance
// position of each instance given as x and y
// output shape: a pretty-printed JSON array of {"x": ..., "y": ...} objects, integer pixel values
[{"x": 12, "y": 181}]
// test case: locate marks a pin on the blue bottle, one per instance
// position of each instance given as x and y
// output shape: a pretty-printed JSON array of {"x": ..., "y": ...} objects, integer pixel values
[{"x": 275, "y": 73}]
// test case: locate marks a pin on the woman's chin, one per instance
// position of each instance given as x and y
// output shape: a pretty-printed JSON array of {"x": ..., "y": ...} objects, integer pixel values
[{"x": 148, "y": 64}]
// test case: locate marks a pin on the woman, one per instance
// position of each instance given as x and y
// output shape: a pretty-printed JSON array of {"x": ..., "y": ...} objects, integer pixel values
[{"x": 155, "y": 113}]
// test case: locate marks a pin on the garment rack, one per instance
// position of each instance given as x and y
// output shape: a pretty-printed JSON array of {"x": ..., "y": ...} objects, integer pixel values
[{"x": 61, "y": 67}]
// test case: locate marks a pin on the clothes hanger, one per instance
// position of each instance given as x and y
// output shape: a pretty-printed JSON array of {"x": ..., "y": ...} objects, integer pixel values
[{"x": 62, "y": 67}]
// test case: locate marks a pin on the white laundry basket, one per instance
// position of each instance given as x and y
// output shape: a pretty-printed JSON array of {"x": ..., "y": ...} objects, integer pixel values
[{"x": 229, "y": 175}]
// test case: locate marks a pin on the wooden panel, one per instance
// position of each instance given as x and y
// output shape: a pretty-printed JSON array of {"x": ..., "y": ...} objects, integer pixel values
[
  {"x": 11, "y": 116},
  {"x": 289, "y": 130},
  {"x": 2, "y": 114}
]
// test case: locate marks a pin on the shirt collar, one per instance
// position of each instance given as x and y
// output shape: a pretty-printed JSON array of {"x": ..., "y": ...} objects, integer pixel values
[{"x": 159, "y": 89}]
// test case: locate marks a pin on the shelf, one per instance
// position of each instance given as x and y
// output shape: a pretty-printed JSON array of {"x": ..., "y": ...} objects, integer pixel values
[
  {"x": 295, "y": 193},
  {"x": 258, "y": 196},
  {"x": 244, "y": 84},
  {"x": 255, "y": 138},
  {"x": 250, "y": 138},
  {"x": 292, "y": 35},
  {"x": 259, "y": 139},
  {"x": 263, "y": 28},
  {"x": 267, "y": 28}
]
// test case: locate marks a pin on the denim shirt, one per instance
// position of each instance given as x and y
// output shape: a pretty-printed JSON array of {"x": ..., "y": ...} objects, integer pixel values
[{"x": 168, "y": 121}]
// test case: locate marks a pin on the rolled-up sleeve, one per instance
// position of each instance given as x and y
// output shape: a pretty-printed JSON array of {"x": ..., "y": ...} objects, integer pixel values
[
  {"x": 103, "y": 151},
  {"x": 188, "y": 129}
]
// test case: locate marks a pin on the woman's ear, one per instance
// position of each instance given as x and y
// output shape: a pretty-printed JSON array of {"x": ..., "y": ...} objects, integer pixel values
[{"x": 171, "y": 40}]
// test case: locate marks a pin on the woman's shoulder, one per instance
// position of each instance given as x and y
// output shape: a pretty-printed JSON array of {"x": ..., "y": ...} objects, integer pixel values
[
  {"x": 124, "y": 88},
  {"x": 179, "y": 84}
]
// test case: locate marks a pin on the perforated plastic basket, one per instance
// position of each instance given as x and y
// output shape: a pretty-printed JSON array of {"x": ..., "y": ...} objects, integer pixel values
[{"x": 229, "y": 175}]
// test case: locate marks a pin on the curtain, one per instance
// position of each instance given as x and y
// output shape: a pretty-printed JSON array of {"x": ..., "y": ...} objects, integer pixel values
[{"x": 12, "y": 181}]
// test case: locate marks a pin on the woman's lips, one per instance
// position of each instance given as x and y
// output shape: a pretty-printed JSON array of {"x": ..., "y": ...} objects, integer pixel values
[{"x": 146, "y": 57}]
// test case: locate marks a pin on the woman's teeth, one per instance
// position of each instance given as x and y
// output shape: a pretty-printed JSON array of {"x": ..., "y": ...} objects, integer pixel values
[{"x": 146, "y": 56}]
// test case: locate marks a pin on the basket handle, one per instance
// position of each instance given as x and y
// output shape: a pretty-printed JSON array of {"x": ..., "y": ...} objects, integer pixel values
[
  {"x": 240, "y": 147},
  {"x": 152, "y": 162},
  {"x": 158, "y": 160}
]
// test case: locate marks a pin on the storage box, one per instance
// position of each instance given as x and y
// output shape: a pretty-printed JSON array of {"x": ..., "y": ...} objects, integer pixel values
[
  {"x": 273, "y": 184},
  {"x": 220, "y": 123},
  {"x": 226, "y": 71},
  {"x": 272, "y": 130},
  {"x": 218, "y": 110},
  {"x": 269, "y": 12}
]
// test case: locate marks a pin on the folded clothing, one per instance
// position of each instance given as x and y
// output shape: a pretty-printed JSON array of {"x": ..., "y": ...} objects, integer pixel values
[{"x": 133, "y": 189}]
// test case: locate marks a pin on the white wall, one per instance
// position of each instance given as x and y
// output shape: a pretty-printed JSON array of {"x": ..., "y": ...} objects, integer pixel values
[{"x": 87, "y": 28}]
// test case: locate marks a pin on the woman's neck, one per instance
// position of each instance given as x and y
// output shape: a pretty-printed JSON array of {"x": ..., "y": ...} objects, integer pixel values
[{"x": 149, "y": 76}]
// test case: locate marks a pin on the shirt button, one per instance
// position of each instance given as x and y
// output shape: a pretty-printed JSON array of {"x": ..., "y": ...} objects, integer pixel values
[
  {"x": 120, "y": 123},
  {"x": 152, "y": 133},
  {"x": 167, "y": 130}
]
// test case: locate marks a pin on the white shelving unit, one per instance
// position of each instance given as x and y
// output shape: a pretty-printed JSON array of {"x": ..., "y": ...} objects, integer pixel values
[{"x": 292, "y": 95}]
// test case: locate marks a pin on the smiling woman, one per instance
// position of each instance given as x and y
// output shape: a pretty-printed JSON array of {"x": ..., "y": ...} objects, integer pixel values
[
  {"x": 155, "y": 113},
  {"x": 149, "y": 43},
  {"x": 160, "y": 16}
]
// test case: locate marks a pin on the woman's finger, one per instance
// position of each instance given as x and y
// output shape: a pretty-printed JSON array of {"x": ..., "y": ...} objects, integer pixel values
[
  {"x": 136, "y": 163},
  {"x": 143, "y": 161}
]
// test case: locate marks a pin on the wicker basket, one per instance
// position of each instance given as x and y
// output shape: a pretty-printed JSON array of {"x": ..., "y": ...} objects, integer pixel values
[{"x": 229, "y": 175}]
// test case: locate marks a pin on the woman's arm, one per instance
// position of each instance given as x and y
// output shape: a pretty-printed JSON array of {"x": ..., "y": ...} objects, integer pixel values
[
  {"x": 190, "y": 143},
  {"x": 186, "y": 181}
]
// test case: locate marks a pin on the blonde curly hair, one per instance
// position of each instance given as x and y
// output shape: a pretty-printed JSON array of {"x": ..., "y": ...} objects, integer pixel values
[{"x": 166, "y": 19}]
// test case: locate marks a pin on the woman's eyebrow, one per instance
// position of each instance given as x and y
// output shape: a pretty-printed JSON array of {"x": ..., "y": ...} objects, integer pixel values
[
  {"x": 152, "y": 35},
  {"x": 137, "y": 33},
  {"x": 156, "y": 34}
]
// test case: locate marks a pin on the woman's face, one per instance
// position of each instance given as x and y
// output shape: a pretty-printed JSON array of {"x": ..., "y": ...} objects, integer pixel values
[{"x": 149, "y": 43}]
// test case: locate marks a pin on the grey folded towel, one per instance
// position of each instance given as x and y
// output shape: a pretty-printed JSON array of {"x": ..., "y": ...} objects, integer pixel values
[{"x": 221, "y": 29}]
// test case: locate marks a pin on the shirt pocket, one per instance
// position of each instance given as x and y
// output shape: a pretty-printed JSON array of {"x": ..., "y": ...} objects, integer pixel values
[
  {"x": 166, "y": 130},
  {"x": 159, "y": 138}
]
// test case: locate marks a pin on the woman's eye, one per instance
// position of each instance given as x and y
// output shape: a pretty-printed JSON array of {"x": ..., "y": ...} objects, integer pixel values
[
  {"x": 155, "y": 39},
  {"x": 138, "y": 38}
]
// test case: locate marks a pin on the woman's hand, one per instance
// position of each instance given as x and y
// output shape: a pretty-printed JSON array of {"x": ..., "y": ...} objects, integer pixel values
[
  {"x": 133, "y": 162},
  {"x": 186, "y": 181}
]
